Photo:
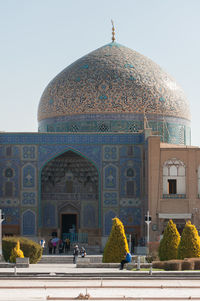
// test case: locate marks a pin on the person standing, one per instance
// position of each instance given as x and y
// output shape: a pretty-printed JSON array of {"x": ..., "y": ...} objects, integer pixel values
[
  {"x": 75, "y": 254},
  {"x": 42, "y": 243},
  {"x": 50, "y": 246},
  {"x": 67, "y": 245}
]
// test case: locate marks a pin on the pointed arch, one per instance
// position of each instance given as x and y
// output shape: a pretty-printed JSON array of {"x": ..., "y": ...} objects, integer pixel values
[
  {"x": 28, "y": 223},
  {"x": 74, "y": 189}
]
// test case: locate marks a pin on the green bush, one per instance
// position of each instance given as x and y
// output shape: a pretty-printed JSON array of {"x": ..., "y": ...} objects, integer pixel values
[
  {"x": 116, "y": 246},
  {"x": 30, "y": 248},
  {"x": 168, "y": 247},
  {"x": 16, "y": 252},
  {"x": 190, "y": 242}
]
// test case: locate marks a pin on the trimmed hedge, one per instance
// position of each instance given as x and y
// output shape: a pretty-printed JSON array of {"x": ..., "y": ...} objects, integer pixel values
[
  {"x": 158, "y": 264},
  {"x": 187, "y": 265},
  {"x": 196, "y": 262},
  {"x": 31, "y": 249},
  {"x": 173, "y": 265}
]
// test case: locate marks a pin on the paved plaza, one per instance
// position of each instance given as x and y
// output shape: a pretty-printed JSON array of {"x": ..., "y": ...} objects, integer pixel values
[{"x": 59, "y": 282}]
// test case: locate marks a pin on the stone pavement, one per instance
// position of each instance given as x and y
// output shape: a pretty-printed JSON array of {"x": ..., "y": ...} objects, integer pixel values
[
  {"x": 71, "y": 271},
  {"x": 104, "y": 289},
  {"x": 66, "y": 282}
]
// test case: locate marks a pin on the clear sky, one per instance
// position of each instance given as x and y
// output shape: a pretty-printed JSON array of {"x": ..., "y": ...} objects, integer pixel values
[{"x": 39, "y": 38}]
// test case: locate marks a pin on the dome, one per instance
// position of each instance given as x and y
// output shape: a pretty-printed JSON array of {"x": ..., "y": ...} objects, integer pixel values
[{"x": 111, "y": 89}]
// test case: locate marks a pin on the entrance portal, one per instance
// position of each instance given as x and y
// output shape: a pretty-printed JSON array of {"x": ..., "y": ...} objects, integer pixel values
[{"x": 69, "y": 224}]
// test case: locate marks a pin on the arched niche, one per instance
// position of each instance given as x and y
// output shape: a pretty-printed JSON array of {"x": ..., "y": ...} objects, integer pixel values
[{"x": 68, "y": 182}]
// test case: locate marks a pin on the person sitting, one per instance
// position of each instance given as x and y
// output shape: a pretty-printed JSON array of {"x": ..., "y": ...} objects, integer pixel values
[
  {"x": 125, "y": 260},
  {"x": 83, "y": 252}
]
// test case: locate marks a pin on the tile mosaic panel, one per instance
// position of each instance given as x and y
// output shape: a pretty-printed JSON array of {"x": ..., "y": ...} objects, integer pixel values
[
  {"x": 9, "y": 202},
  {"x": 9, "y": 172},
  {"x": 28, "y": 198},
  {"x": 110, "y": 177},
  {"x": 29, "y": 153},
  {"x": 110, "y": 199},
  {"x": 130, "y": 202},
  {"x": 28, "y": 173},
  {"x": 110, "y": 153},
  {"x": 130, "y": 216},
  {"x": 128, "y": 165},
  {"x": 49, "y": 217},
  {"x": 11, "y": 215},
  {"x": 28, "y": 223},
  {"x": 108, "y": 216},
  {"x": 89, "y": 216},
  {"x": 47, "y": 152},
  {"x": 71, "y": 139}
]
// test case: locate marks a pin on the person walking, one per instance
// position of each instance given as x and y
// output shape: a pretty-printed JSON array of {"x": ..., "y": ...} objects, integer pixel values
[
  {"x": 125, "y": 260},
  {"x": 75, "y": 254}
]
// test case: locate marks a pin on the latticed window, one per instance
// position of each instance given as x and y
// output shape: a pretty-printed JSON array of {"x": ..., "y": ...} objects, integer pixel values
[{"x": 174, "y": 177}]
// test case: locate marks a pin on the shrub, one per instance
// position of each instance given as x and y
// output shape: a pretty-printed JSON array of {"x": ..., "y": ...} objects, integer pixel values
[
  {"x": 158, "y": 264},
  {"x": 30, "y": 248},
  {"x": 173, "y": 265},
  {"x": 16, "y": 252},
  {"x": 168, "y": 247},
  {"x": 117, "y": 245},
  {"x": 196, "y": 263},
  {"x": 190, "y": 242},
  {"x": 187, "y": 265}
]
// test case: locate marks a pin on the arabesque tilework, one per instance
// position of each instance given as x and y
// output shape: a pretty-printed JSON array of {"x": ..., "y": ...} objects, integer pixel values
[{"x": 113, "y": 79}]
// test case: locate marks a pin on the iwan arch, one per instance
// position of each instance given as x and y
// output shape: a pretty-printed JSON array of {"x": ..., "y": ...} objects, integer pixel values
[
  {"x": 70, "y": 196},
  {"x": 113, "y": 128}
]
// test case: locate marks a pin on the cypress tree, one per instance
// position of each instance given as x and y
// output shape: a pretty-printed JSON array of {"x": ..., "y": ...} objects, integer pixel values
[
  {"x": 117, "y": 245},
  {"x": 168, "y": 248},
  {"x": 189, "y": 246}
]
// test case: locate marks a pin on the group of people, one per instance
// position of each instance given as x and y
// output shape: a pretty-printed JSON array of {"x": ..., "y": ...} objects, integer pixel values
[
  {"x": 64, "y": 246},
  {"x": 76, "y": 252},
  {"x": 56, "y": 244}
]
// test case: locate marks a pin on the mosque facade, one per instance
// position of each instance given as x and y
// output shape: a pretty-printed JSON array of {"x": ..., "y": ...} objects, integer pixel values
[{"x": 113, "y": 140}]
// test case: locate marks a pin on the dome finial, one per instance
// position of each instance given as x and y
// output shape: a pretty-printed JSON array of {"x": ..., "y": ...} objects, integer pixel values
[{"x": 113, "y": 31}]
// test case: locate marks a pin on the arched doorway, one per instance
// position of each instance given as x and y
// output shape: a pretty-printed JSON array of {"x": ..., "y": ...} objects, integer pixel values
[{"x": 69, "y": 196}]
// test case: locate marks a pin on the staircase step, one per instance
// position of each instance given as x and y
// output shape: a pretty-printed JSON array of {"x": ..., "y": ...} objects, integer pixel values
[{"x": 58, "y": 259}]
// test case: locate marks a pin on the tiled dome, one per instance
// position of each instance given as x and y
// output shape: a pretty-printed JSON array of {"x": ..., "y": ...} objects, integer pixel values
[{"x": 112, "y": 83}]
